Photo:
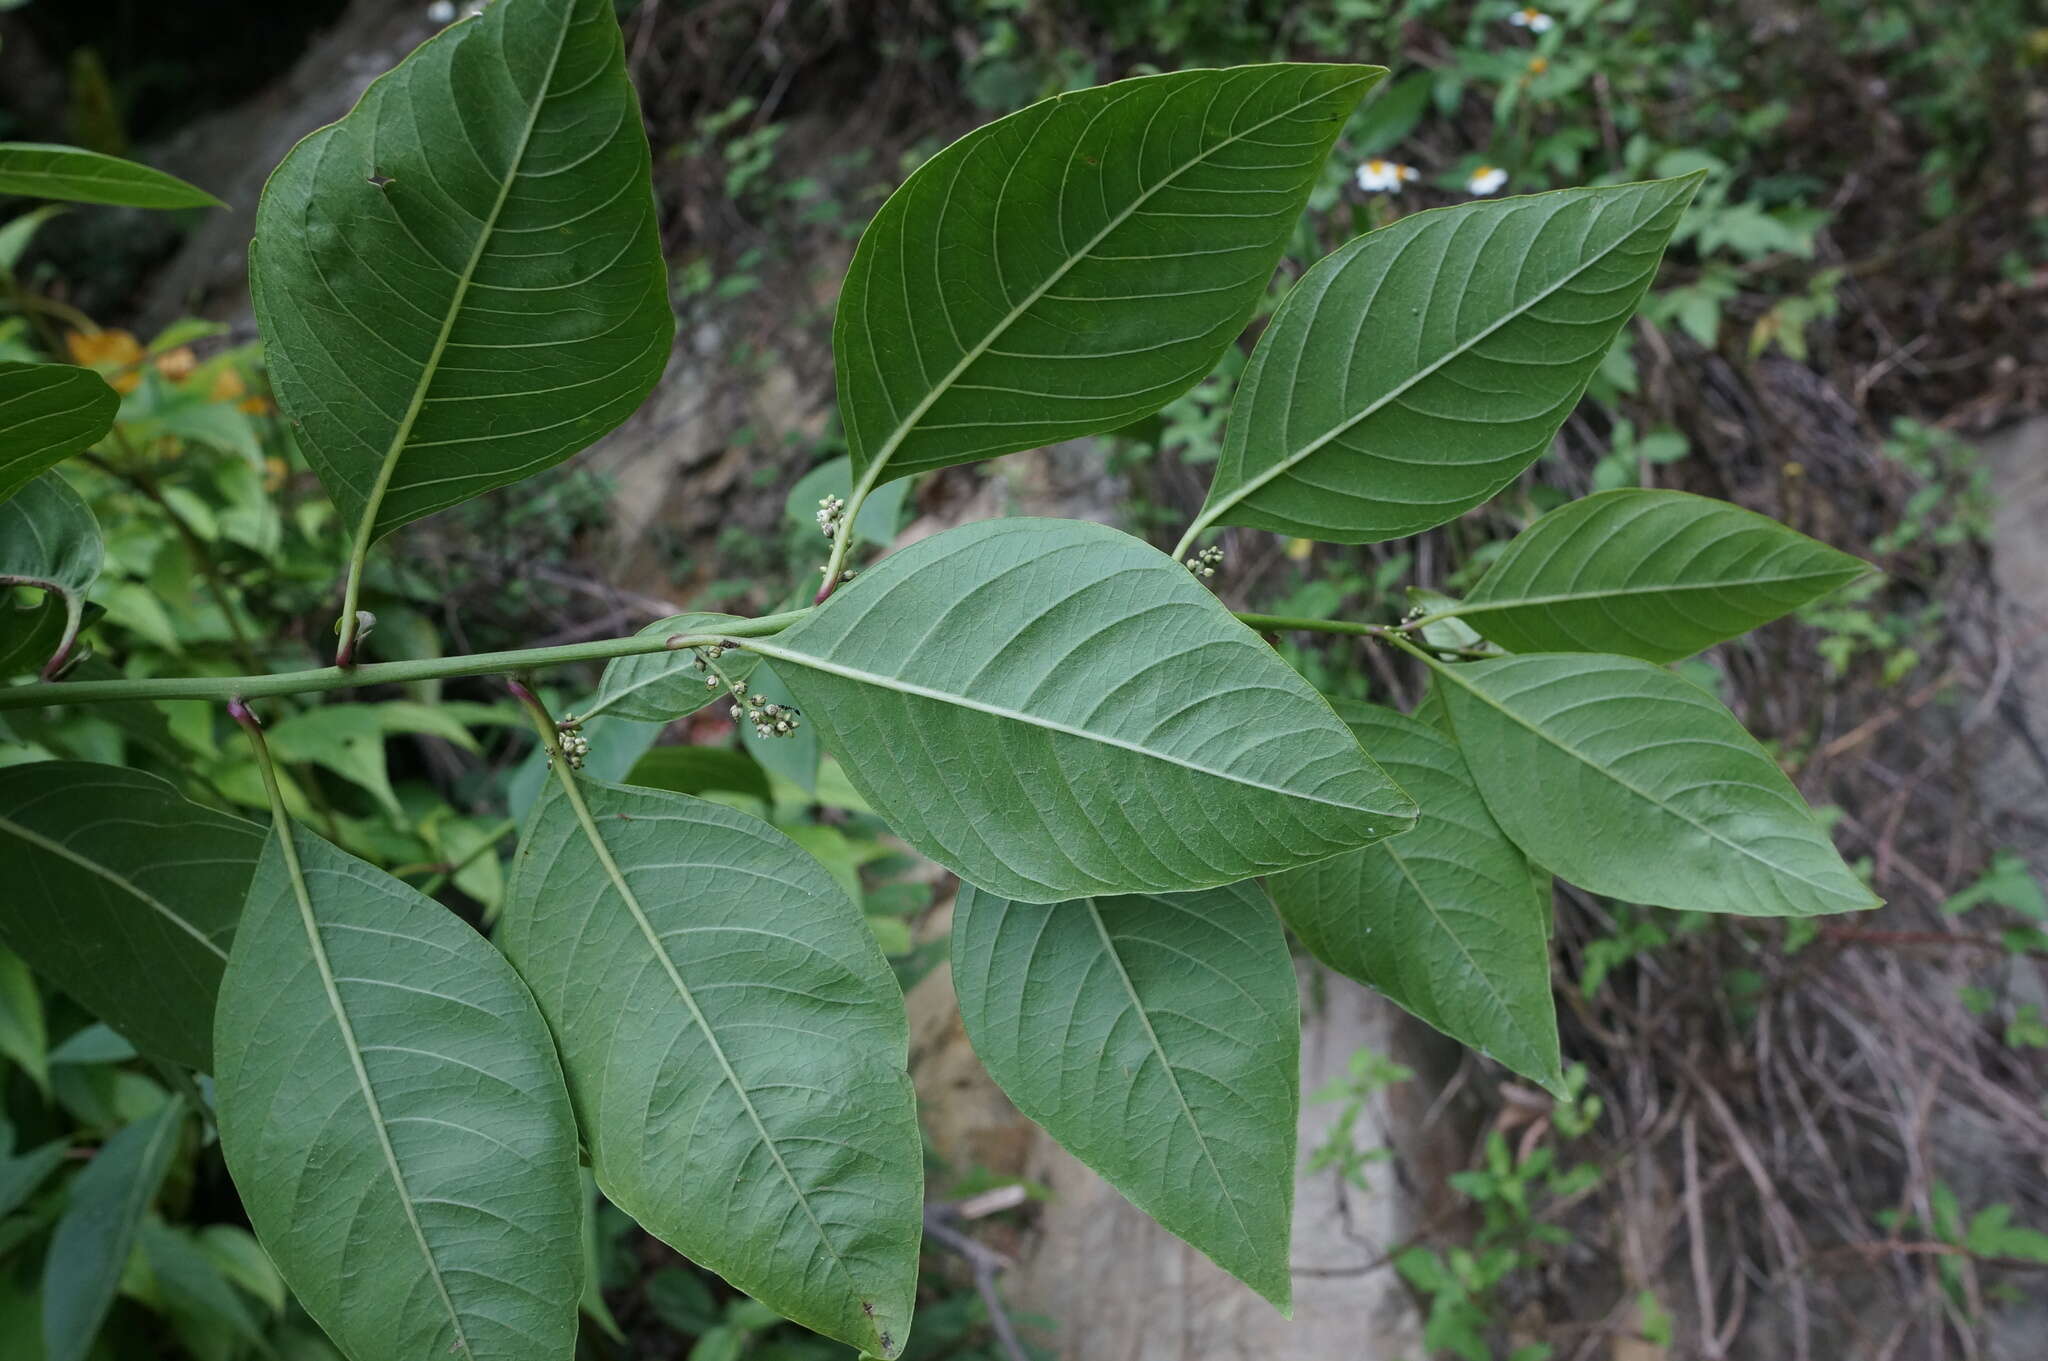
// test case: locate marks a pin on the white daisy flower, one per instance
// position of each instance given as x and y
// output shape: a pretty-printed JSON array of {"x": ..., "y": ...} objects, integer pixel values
[
  {"x": 1377, "y": 176},
  {"x": 1486, "y": 180},
  {"x": 1533, "y": 19},
  {"x": 441, "y": 12}
]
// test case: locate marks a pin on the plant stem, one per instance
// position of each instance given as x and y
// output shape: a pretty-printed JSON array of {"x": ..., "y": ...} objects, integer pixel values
[
  {"x": 1278, "y": 623},
  {"x": 380, "y": 673},
  {"x": 527, "y": 659},
  {"x": 842, "y": 542},
  {"x": 1397, "y": 634}
]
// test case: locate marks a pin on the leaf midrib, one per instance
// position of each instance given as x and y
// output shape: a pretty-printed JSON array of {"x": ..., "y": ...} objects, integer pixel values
[
  {"x": 901, "y": 686},
  {"x": 603, "y": 851},
  {"x": 403, "y": 434},
  {"x": 1166, "y": 1065},
  {"x": 286, "y": 835},
  {"x": 1607, "y": 773},
  {"x": 1477, "y": 604},
  {"x": 1464, "y": 952},
  {"x": 871, "y": 474},
  {"x": 1218, "y": 508},
  {"x": 127, "y": 886}
]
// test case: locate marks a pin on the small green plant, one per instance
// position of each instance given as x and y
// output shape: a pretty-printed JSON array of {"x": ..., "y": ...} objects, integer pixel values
[
  {"x": 1510, "y": 1191},
  {"x": 460, "y": 285},
  {"x": 1369, "y": 1073}
]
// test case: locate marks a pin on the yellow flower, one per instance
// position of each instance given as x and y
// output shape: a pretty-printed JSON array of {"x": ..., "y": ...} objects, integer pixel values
[
  {"x": 274, "y": 473},
  {"x": 1538, "y": 65},
  {"x": 177, "y": 364},
  {"x": 229, "y": 387},
  {"x": 114, "y": 355}
]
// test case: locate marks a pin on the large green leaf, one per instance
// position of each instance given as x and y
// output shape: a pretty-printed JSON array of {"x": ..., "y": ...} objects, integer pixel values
[
  {"x": 48, "y": 412},
  {"x": 1412, "y": 374},
  {"x": 1052, "y": 709},
  {"x": 1158, "y": 1038},
  {"x": 1078, "y": 265},
  {"x": 75, "y": 175},
  {"x": 460, "y": 283},
  {"x": 1442, "y": 919},
  {"x": 395, "y": 1119},
  {"x": 124, "y": 893},
  {"x": 655, "y": 687},
  {"x": 1651, "y": 574},
  {"x": 735, "y": 1045},
  {"x": 98, "y": 1230},
  {"x": 49, "y": 538},
  {"x": 1631, "y": 781}
]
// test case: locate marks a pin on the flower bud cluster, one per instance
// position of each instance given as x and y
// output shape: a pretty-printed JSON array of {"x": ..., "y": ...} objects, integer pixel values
[
  {"x": 1205, "y": 563},
  {"x": 831, "y": 510},
  {"x": 769, "y": 720},
  {"x": 569, "y": 736}
]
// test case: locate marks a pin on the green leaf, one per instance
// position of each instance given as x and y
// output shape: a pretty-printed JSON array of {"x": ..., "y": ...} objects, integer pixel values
[
  {"x": 192, "y": 1286},
  {"x": 656, "y": 687},
  {"x": 124, "y": 893},
  {"x": 30, "y": 633},
  {"x": 459, "y": 283},
  {"x": 235, "y": 1252},
  {"x": 394, "y": 1117},
  {"x": 94, "y": 1044},
  {"x": 1077, "y": 265},
  {"x": 1391, "y": 114},
  {"x": 17, "y": 232},
  {"x": 348, "y": 739},
  {"x": 1444, "y": 919},
  {"x": 1052, "y": 709},
  {"x": 98, "y": 1230},
  {"x": 1632, "y": 782},
  {"x": 21, "y": 1175},
  {"x": 736, "y": 1048},
  {"x": 879, "y": 514},
  {"x": 1415, "y": 372},
  {"x": 698, "y": 770},
  {"x": 49, "y": 538},
  {"x": 593, "y": 1303},
  {"x": 48, "y": 412},
  {"x": 1158, "y": 1039},
  {"x": 1653, "y": 574},
  {"x": 24, "y": 1038},
  {"x": 75, "y": 175}
]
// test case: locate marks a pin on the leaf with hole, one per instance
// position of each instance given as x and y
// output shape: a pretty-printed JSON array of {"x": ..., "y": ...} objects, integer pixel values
[
  {"x": 1632, "y": 782},
  {"x": 459, "y": 283},
  {"x": 1415, "y": 372},
  {"x": 1442, "y": 919},
  {"x": 124, "y": 893},
  {"x": 74, "y": 175},
  {"x": 735, "y": 1045},
  {"x": 1077, "y": 265},
  {"x": 48, "y": 412},
  {"x": 1158, "y": 1039},
  {"x": 1653, "y": 574},
  {"x": 101, "y": 1220},
  {"x": 394, "y": 1117},
  {"x": 49, "y": 539},
  {"x": 656, "y": 687},
  {"x": 1051, "y": 708}
]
